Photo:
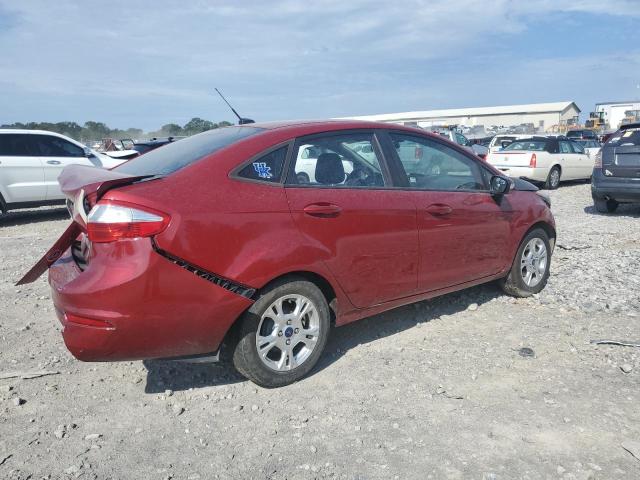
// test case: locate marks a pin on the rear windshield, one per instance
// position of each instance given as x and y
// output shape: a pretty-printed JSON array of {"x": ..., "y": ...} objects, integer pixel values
[
  {"x": 535, "y": 145},
  {"x": 177, "y": 155},
  {"x": 622, "y": 138}
]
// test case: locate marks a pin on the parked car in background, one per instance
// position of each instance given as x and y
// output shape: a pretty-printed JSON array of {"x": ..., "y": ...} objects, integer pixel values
[
  {"x": 212, "y": 244},
  {"x": 546, "y": 160},
  {"x": 153, "y": 143},
  {"x": 616, "y": 174},
  {"x": 583, "y": 134},
  {"x": 30, "y": 162},
  {"x": 456, "y": 137},
  {"x": 499, "y": 142},
  {"x": 592, "y": 147}
]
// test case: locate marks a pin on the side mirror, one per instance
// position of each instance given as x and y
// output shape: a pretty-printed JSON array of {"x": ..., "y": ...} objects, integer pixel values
[
  {"x": 499, "y": 185},
  {"x": 87, "y": 152}
]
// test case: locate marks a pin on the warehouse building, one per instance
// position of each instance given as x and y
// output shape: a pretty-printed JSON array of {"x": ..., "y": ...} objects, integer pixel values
[
  {"x": 615, "y": 112},
  {"x": 542, "y": 117}
]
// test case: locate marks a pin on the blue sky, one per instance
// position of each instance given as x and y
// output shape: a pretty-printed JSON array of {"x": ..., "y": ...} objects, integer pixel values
[{"x": 147, "y": 63}]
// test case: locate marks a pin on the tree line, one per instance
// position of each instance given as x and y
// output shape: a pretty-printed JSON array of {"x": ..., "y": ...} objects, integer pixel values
[{"x": 98, "y": 130}]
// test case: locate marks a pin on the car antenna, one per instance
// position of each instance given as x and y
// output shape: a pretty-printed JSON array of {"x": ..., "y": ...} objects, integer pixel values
[{"x": 241, "y": 120}]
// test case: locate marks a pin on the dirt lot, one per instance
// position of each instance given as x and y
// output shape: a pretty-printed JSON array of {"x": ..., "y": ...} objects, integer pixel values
[{"x": 436, "y": 390}]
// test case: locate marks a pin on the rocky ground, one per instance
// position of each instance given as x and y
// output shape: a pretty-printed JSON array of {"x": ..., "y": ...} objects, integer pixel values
[{"x": 437, "y": 390}]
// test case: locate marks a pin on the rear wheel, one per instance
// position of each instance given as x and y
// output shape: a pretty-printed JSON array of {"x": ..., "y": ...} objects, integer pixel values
[
  {"x": 553, "y": 180},
  {"x": 530, "y": 270},
  {"x": 3, "y": 207},
  {"x": 283, "y": 334},
  {"x": 605, "y": 206}
]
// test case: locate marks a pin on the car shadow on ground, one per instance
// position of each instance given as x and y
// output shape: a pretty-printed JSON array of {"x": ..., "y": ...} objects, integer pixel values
[
  {"x": 624, "y": 210},
  {"x": 24, "y": 217},
  {"x": 176, "y": 376}
]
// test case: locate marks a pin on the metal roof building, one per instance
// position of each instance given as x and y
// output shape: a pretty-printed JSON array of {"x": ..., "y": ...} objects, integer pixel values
[{"x": 542, "y": 115}]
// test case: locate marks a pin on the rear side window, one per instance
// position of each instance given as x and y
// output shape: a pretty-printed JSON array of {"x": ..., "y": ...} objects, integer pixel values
[
  {"x": 177, "y": 155},
  {"x": 577, "y": 148},
  {"x": 529, "y": 145},
  {"x": 267, "y": 168},
  {"x": 628, "y": 137},
  {"x": 17, "y": 145}
]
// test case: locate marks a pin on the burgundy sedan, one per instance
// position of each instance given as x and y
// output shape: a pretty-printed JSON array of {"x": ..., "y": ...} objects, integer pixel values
[{"x": 259, "y": 237}]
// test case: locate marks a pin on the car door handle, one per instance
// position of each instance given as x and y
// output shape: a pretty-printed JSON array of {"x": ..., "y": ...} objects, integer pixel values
[
  {"x": 322, "y": 210},
  {"x": 53, "y": 162},
  {"x": 439, "y": 209}
]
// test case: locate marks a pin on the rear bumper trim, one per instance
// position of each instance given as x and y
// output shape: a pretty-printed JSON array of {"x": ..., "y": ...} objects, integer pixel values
[{"x": 230, "y": 285}]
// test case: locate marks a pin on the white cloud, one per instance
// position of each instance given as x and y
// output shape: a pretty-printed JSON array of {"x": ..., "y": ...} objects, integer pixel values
[{"x": 151, "y": 60}]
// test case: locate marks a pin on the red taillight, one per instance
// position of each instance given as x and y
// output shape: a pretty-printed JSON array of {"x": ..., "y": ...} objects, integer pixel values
[
  {"x": 532, "y": 162},
  {"x": 111, "y": 221},
  {"x": 598, "y": 160}
]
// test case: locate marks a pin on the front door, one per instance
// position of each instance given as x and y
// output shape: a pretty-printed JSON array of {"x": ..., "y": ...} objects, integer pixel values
[
  {"x": 364, "y": 231},
  {"x": 463, "y": 230}
]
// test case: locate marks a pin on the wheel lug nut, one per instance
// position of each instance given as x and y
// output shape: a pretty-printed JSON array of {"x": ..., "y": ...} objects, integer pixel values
[
  {"x": 296, "y": 330},
  {"x": 280, "y": 333},
  {"x": 288, "y": 342},
  {"x": 288, "y": 322}
]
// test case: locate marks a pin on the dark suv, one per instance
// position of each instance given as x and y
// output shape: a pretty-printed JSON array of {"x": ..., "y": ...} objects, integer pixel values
[{"x": 616, "y": 174}]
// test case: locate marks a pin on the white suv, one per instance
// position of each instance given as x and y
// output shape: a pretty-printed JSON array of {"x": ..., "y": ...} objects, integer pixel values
[{"x": 30, "y": 162}]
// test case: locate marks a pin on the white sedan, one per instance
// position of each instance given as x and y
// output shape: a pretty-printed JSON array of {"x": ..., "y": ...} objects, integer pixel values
[
  {"x": 545, "y": 160},
  {"x": 30, "y": 162}
]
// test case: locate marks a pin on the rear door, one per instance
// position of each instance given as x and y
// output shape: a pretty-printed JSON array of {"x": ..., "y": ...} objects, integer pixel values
[
  {"x": 364, "y": 230},
  {"x": 569, "y": 161},
  {"x": 621, "y": 154},
  {"x": 21, "y": 171},
  {"x": 463, "y": 230},
  {"x": 56, "y": 153}
]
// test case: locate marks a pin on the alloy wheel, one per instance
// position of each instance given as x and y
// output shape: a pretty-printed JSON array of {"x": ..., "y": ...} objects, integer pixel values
[
  {"x": 533, "y": 264},
  {"x": 288, "y": 332}
]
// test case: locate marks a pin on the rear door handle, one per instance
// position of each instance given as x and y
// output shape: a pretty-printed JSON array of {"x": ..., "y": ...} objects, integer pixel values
[
  {"x": 322, "y": 210},
  {"x": 53, "y": 162},
  {"x": 439, "y": 209}
]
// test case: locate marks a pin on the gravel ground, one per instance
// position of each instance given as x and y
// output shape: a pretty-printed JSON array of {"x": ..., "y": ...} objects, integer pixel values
[{"x": 435, "y": 390}]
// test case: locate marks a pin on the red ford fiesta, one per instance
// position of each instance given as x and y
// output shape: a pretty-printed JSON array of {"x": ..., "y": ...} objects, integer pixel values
[{"x": 259, "y": 237}]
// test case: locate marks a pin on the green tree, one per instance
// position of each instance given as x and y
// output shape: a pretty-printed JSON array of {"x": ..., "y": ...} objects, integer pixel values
[{"x": 198, "y": 125}]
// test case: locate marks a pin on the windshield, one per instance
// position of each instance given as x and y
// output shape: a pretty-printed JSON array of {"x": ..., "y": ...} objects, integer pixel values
[
  {"x": 529, "y": 145},
  {"x": 177, "y": 155}
]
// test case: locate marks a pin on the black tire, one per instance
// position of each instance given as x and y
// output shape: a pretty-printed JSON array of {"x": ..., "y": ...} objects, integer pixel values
[
  {"x": 246, "y": 358},
  {"x": 605, "y": 206},
  {"x": 514, "y": 284},
  {"x": 553, "y": 182},
  {"x": 3, "y": 206}
]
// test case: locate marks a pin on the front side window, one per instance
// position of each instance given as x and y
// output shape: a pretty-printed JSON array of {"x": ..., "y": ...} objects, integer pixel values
[
  {"x": 17, "y": 145},
  {"x": 267, "y": 168},
  {"x": 565, "y": 147},
  {"x": 345, "y": 161},
  {"x": 577, "y": 148},
  {"x": 431, "y": 165},
  {"x": 50, "y": 146}
]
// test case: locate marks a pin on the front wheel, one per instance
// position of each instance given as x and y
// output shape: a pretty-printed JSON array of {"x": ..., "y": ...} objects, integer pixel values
[
  {"x": 530, "y": 270},
  {"x": 283, "y": 334}
]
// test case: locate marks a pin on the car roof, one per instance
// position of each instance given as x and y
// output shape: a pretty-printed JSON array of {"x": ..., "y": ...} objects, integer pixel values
[
  {"x": 35, "y": 132},
  {"x": 630, "y": 125}
]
